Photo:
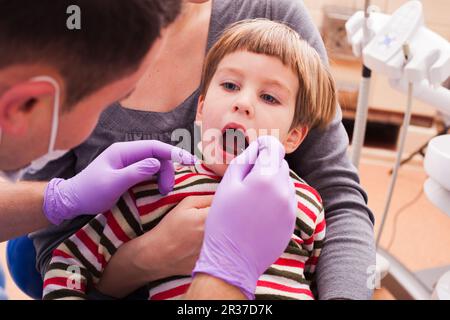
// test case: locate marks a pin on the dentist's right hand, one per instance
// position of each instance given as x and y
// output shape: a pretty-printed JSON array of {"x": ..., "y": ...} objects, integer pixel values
[{"x": 251, "y": 219}]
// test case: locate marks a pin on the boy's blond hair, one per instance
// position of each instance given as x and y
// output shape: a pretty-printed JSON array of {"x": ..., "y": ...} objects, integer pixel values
[{"x": 316, "y": 98}]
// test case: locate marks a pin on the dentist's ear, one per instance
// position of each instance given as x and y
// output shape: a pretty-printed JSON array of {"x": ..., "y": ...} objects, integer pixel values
[
  {"x": 18, "y": 102},
  {"x": 294, "y": 138}
]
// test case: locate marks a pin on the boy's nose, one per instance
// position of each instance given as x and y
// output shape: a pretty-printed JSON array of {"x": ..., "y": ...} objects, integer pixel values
[{"x": 245, "y": 106}]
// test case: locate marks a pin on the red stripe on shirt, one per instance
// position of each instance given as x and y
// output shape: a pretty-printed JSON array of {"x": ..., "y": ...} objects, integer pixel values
[
  {"x": 190, "y": 175},
  {"x": 172, "y": 199},
  {"x": 310, "y": 240},
  {"x": 171, "y": 293},
  {"x": 209, "y": 170},
  {"x": 64, "y": 282},
  {"x": 185, "y": 177},
  {"x": 60, "y": 253},
  {"x": 289, "y": 263},
  {"x": 312, "y": 261},
  {"x": 91, "y": 245},
  {"x": 282, "y": 287},
  {"x": 320, "y": 227},
  {"x": 116, "y": 228},
  {"x": 132, "y": 196},
  {"x": 298, "y": 240},
  {"x": 307, "y": 211},
  {"x": 310, "y": 189}
]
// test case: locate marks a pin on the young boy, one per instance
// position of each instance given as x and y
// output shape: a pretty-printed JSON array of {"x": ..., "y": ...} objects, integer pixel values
[{"x": 259, "y": 78}]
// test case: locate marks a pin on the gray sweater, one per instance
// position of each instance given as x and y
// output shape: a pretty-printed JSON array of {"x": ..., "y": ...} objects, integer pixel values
[{"x": 321, "y": 160}]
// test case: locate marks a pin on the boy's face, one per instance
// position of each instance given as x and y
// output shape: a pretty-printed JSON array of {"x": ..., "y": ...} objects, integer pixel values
[{"x": 249, "y": 95}]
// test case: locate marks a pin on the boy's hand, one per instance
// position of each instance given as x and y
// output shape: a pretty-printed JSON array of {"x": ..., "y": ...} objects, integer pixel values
[
  {"x": 252, "y": 217},
  {"x": 118, "y": 168}
]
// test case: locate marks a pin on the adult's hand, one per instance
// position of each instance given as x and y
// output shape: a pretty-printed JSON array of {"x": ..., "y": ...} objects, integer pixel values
[
  {"x": 169, "y": 249},
  {"x": 181, "y": 234},
  {"x": 252, "y": 217},
  {"x": 118, "y": 168}
]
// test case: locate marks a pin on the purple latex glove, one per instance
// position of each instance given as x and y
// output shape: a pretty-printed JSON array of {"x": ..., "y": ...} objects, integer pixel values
[
  {"x": 252, "y": 217},
  {"x": 99, "y": 186}
]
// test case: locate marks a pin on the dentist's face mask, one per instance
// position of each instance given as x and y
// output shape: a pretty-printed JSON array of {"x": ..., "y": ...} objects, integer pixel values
[{"x": 52, "y": 154}]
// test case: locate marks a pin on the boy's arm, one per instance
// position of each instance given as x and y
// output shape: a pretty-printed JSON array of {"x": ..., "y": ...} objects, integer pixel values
[
  {"x": 134, "y": 271},
  {"x": 78, "y": 264},
  {"x": 310, "y": 222},
  {"x": 66, "y": 278},
  {"x": 318, "y": 238}
]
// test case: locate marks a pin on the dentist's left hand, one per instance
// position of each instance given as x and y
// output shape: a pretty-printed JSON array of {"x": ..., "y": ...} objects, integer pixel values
[{"x": 118, "y": 168}]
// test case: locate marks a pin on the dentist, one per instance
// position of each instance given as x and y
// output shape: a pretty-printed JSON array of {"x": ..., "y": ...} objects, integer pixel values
[{"x": 54, "y": 84}]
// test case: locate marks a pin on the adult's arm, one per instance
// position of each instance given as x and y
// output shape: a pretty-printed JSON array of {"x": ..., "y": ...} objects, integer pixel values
[
  {"x": 21, "y": 208},
  {"x": 321, "y": 160},
  {"x": 206, "y": 287}
]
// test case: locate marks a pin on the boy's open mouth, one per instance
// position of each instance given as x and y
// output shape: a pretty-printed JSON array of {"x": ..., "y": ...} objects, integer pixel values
[{"x": 234, "y": 140}]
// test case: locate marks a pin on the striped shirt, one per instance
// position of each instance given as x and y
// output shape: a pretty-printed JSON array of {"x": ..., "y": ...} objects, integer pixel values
[{"x": 78, "y": 263}]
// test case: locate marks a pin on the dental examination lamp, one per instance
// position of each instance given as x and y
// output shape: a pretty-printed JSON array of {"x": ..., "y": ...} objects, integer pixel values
[{"x": 416, "y": 61}]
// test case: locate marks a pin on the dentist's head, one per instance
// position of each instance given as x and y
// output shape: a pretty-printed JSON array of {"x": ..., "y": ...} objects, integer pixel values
[{"x": 55, "y": 81}]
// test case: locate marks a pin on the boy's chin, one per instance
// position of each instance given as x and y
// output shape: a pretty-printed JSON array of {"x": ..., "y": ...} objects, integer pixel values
[
  {"x": 218, "y": 169},
  {"x": 216, "y": 159},
  {"x": 218, "y": 166}
]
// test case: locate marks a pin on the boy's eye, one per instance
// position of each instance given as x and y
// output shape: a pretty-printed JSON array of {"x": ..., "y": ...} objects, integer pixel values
[
  {"x": 230, "y": 86},
  {"x": 268, "y": 98}
]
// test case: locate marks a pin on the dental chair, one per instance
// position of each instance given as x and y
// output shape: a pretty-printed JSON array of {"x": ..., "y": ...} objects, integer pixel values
[
  {"x": 437, "y": 166},
  {"x": 433, "y": 283},
  {"x": 437, "y": 189},
  {"x": 416, "y": 61}
]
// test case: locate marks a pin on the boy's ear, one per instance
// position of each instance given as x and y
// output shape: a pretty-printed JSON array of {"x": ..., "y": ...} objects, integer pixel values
[
  {"x": 294, "y": 138},
  {"x": 199, "y": 114},
  {"x": 18, "y": 102}
]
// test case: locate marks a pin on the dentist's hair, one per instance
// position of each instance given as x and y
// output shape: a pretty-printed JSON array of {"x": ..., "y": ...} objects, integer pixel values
[
  {"x": 316, "y": 99},
  {"x": 114, "y": 38}
]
